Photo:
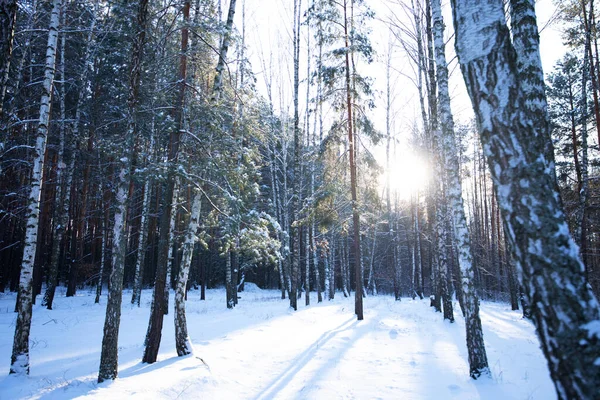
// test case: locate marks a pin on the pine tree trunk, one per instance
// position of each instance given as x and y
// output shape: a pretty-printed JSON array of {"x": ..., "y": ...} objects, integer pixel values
[
  {"x": 580, "y": 230},
  {"x": 589, "y": 68},
  {"x": 154, "y": 333},
  {"x": 505, "y": 82},
  {"x": 20, "y": 351},
  {"x": 352, "y": 150}
]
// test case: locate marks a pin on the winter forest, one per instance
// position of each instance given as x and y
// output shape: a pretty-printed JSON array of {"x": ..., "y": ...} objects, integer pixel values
[{"x": 303, "y": 199}]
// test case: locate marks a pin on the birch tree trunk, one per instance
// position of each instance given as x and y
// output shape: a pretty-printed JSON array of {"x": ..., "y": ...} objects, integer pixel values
[
  {"x": 218, "y": 82},
  {"x": 154, "y": 333},
  {"x": 110, "y": 341},
  {"x": 306, "y": 265},
  {"x": 106, "y": 197},
  {"x": 418, "y": 255},
  {"x": 63, "y": 191},
  {"x": 478, "y": 363},
  {"x": 143, "y": 238},
  {"x": 171, "y": 246},
  {"x": 275, "y": 200},
  {"x": 296, "y": 202},
  {"x": 182, "y": 339},
  {"x": 505, "y": 82},
  {"x": 64, "y": 195},
  {"x": 20, "y": 352},
  {"x": 8, "y": 17}
]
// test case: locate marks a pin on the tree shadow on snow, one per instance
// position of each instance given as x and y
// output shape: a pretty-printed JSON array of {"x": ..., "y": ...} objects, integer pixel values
[{"x": 298, "y": 363}]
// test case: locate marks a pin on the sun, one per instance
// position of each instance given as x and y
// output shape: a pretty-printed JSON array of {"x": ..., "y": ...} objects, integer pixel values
[{"x": 408, "y": 175}]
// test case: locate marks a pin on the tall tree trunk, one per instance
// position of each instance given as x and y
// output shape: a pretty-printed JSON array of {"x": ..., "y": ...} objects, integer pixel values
[
  {"x": 275, "y": 200},
  {"x": 110, "y": 340},
  {"x": 143, "y": 237},
  {"x": 106, "y": 197},
  {"x": 390, "y": 256},
  {"x": 171, "y": 245},
  {"x": 505, "y": 82},
  {"x": 296, "y": 201},
  {"x": 589, "y": 68},
  {"x": 182, "y": 339},
  {"x": 581, "y": 229},
  {"x": 63, "y": 192},
  {"x": 478, "y": 363},
  {"x": 352, "y": 147},
  {"x": 154, "y": 333},
  {"x": 80, "y": 219},
  {"x": 20, "y": 352},
  {"x": 307, "y": 265},
  {"x": 218, "y": 82},
  {"x": 8, "y": 17},
  {"x": 330, "y": 265},
  {"x": 229, "y": 287}
]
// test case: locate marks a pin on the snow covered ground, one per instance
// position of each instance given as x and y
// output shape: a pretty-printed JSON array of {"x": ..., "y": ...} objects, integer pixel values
[{"x": 262, "y": 350}]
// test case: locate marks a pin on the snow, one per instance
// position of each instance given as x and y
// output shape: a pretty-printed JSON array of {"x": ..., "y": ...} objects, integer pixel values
[
  {"x": 263, "y": 350},
  {"x": 593, "y": 329}
]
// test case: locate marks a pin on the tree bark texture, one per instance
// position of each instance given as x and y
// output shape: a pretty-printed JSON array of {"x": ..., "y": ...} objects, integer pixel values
[
  {"x": 508, "y": 99},
  {"x": 154, "y": 333},
  {"x": 8, "y": 17},
  {"x": 182, "y": 339},
  {"x": 478, "y": 363},
  {"x": 20, "y": 352},
  {"x": 109, "y": 357}
]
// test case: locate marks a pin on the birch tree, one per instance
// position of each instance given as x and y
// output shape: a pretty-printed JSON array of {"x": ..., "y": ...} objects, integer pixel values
[
  {"x": 478, "y": 363},
  {"x": 296, "y": 201},
  {"x": 110, "y": 339},
  {"x": 154, "y": 333},
  {"x": 64, "y": 190},
  {"x": 505, "y": 83},
  {"x": 20, "y": 352},
  {"x": 182, "y": 340},
  {"x": 8, "y": 16}
]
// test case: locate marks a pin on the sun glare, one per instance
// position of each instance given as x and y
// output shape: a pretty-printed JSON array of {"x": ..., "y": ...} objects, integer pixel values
[{"x": 408, "y": 175}]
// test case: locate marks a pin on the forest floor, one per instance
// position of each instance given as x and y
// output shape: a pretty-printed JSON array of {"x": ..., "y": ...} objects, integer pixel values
[{"x": 262, "y": 350}]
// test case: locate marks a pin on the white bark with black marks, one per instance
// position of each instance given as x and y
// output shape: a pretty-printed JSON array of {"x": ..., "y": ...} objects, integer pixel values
[
  {"x": 20, "y": 352},
  {"x": 516, "y": 142},
  {"x": 182, "y": 339},
  {"x": 475, "y": 345},
  {"x": 110, "y": 340}
]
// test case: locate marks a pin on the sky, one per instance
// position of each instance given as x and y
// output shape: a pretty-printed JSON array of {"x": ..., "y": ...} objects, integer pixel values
[{"x": 269, "y": 41}]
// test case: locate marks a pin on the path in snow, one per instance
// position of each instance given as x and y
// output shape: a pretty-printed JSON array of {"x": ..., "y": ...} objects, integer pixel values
[{"x": 262, "y": 350}]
